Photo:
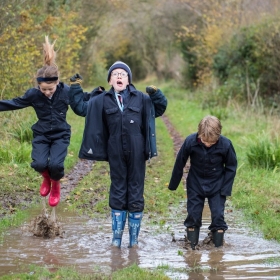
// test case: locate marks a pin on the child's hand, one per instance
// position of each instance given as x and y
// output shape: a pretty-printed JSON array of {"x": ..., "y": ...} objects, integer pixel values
[
  {"x": 171, "y": 188},
  {"x": 151, "y": 89},
  {"x": 97, "y": 91},
  {"x": 76, "y": 79}
]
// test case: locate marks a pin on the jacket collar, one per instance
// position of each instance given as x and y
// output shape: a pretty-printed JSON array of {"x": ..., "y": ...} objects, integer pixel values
[
  {"x": 196, "y": 141},
  {"x": 131, "y": 88}
]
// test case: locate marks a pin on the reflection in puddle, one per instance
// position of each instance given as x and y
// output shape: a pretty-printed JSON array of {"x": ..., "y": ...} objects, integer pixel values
[{"x": 86, "y": 245}]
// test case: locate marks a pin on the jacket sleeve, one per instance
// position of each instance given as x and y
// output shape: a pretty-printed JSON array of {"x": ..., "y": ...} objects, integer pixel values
[
  {"x": 179, "y": 166},
  {"x": 16, "y": 103},
  {"x": 159, "y": 101},
  {"x": 230, "y": 171},
  {"x": 78, "y": 100}
]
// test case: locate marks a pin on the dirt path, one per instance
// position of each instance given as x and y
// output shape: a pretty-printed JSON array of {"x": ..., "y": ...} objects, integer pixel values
[
  {"x": 176, "y": 137},
  {"x": 72, "y": 179}
]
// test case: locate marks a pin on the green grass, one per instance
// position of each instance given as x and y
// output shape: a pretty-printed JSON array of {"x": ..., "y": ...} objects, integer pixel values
[
  {"x": 264, "y": 152},
  {"x": 69, "y": 273}
]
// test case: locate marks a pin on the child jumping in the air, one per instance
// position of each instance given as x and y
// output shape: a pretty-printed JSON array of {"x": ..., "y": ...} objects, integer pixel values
[
  {"x": 120, "y": 129},
  {"x": 51, "y": 133},
  {"x": 212, "y": 171}
]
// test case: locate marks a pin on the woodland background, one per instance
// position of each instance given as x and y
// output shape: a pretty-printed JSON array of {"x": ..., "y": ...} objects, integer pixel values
[{"x": 228, "y": 48}]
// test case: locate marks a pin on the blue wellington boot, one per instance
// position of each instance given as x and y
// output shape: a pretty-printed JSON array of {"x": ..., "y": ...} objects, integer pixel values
[
  {"x": 118, "y": 223},
  {"x": 134, "y": 224}
]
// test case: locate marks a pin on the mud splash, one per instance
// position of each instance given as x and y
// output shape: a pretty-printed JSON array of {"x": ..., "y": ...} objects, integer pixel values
[{"x": 44, "y": 225}]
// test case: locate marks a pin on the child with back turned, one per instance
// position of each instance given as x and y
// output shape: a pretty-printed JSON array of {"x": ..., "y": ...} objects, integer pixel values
[
  {"x": 51, "y": 133},
  {"x": 211, "y": 175}
]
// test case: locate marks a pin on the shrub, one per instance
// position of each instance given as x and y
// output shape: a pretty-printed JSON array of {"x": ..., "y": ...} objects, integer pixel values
[
  {"x": 251, "y": 58},
  {"x": 264, "y": 153},
  {"x": 21, "y": 45}
]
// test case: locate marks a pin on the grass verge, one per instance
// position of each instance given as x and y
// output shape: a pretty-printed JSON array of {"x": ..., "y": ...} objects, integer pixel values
[{"x": 69, "y": 273}]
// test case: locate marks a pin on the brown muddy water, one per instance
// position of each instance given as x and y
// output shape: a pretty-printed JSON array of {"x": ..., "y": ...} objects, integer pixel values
[{"x": 86, "y": 246}]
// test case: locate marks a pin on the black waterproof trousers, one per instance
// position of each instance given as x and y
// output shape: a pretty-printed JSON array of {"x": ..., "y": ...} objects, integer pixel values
[
  {"x": 49, "y": 152},
  {"x": 126, "y": 153},
  {"x": 195, "y": 205}
]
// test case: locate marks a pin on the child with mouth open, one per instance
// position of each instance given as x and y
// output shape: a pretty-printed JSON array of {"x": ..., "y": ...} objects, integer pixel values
[{"x": 120, "y": 129}]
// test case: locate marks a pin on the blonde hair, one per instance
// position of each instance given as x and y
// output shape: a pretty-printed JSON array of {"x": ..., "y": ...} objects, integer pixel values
[
  {"x": 209, "y": 128},
  {"x": 50, "y": 69}
]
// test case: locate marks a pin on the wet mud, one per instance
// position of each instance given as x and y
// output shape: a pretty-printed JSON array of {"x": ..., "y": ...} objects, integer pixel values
[{"x": 85, "y": 244}]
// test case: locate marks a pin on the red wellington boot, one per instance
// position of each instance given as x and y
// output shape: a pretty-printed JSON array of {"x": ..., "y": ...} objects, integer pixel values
[
  {"x": 46, "y": 184},
  {"x": 54, "y": 197}
]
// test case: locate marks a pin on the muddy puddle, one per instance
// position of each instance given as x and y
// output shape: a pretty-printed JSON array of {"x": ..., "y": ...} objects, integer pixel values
[{"x": 86, "y": 246}]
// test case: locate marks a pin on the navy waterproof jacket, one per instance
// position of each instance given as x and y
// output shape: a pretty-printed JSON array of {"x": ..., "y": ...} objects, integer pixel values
[
  {"x": 51, "y": 113},
  {"x": 211, "y": 170},
  {"x": 95, "y": 138}
]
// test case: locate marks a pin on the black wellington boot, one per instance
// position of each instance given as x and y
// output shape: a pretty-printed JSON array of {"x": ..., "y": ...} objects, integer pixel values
[
  {"x": 193, "y": 236},
  {"x": 218, "y": 237}
]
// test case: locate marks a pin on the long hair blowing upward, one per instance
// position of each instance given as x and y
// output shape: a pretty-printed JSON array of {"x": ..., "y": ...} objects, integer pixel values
[{"x": 50, "y": 69}]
